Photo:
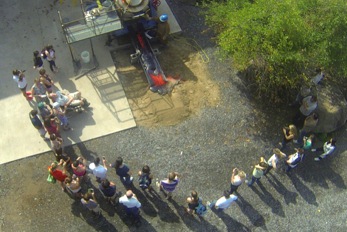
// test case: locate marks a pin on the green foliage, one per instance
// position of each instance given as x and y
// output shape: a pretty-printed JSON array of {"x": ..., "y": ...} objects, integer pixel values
[{"x": 281, "y": 39}]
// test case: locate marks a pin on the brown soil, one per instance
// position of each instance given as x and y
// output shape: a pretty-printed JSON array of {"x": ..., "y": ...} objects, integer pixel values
[{"x": 182, "y": 60}]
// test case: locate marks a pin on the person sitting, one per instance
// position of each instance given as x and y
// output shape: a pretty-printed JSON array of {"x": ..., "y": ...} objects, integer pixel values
[
  {"x": 69, "y": 99},
  {"x": 108, "y": 190},
  {"x": 309, "y": 104}
]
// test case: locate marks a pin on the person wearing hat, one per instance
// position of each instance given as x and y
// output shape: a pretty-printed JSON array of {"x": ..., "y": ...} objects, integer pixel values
[
  {"x": 131, "y": 205},
  {"x": 163, "y": 28},
  {"x": 45, "y": 111},
  {"x": 60, "y": 114}
]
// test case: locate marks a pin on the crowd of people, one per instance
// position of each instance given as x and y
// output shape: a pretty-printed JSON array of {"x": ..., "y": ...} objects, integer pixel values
[{"x": 74, "y": 175}]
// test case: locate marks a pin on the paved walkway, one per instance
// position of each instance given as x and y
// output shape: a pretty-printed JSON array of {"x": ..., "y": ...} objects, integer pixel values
[{"x": 24, "y": 31}]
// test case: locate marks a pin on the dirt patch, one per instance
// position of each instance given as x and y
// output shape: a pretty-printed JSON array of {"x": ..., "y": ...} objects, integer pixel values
[{"x": 180, "y": 59}]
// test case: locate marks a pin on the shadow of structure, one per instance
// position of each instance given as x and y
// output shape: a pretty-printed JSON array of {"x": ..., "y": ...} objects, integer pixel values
[{"x": 110, "y": 91}]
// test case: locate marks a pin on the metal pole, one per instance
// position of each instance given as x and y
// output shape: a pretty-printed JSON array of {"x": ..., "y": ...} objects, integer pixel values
[{"x": 63, "y": 27}]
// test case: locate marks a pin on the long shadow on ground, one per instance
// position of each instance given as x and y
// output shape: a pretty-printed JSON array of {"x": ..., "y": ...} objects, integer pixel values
[
  {"x": 231, "y": 223},
  {"x": 253, "y": 215}
]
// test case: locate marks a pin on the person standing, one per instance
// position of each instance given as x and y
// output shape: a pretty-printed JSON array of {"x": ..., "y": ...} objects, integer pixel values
[
  {"x": 294, "y": 159},
  {"x": 131, "y": 205},
  {"x": 58, "y": 174},
  {"x": 169, "y": 184},
  {"x": 89, "y": 201},
  {"x": 79, "y": 168},
  {"x": 258, "y": 172},
  {"x": 145, "y": 178},
  {"x": 328, "y": 148},
  {"x": 123, "y": 171},
  {"x": 193, "y": 202},
  {"x": 58, "y": 148},
  {"x": 38, "y": 91},
  {"x": 108, "y": 190},
  {"x": 19, "y": 78},
  {"x": 60, "y": 114},
  {"x": 49, "y": 55},
  {"x": 289, "y": 134},
  {"x": 224, "y": 202},
  {"x": 38, "y": 63},
  {"x": 274, "y": 160},
  {"x": 38, "y": 124},
  {"x": 99, "y": 171},
  {"x": 237, "y": 178},
  {"x": 46, "y": 80}
]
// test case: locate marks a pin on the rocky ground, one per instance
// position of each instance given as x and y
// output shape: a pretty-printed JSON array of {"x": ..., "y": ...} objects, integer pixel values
[{"x": 203, "y": 148}]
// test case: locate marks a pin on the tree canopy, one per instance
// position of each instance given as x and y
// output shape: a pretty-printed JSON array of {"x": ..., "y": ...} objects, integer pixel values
[{"x": 282, "y": 40}]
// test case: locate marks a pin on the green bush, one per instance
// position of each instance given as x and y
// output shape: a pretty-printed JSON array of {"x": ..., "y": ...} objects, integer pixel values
[{"x": 281, "y": 41}]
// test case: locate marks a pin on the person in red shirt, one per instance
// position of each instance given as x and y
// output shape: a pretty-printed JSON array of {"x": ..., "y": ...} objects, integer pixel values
[{"x": 58, "y": 174}]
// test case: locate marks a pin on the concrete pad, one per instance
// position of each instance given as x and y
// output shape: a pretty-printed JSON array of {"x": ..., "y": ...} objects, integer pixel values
[{"x": 28, "y": 26}]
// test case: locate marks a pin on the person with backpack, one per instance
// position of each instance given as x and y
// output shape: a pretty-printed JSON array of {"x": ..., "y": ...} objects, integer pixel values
[
  {"x": 224, "y": 202},
  {"x": 195, "y": 205},
  {"x": 145, "y": 178},
  {"x": 294, "y": 159}
]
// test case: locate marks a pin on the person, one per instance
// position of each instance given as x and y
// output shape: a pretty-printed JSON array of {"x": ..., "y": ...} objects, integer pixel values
[
  {"x": 45, "y": 111},
  {"x": 294, "y": 159},
  {"x": 319, "y": 76},
  {"x": 69, "y": 99},
  {"x": 307, "y": 142},
  {"x": 79, "y": 168},
  {"x": 169, "y": 184},
  {"x": 145, "y": 178},
  {"x": 131, "y": 205},
  {"x": 108, "y": 190},
  {"x": 58, "y": 174},
  {"x": 58, "y": 149},
  {"x": 309, "y": 124},
  {"x": 73, "y": 185},
  {"x": 224, "y": 202},
  {"x": 38, "y": 124},
  {"x": 237, "y": 178},
  {"x": 38, "y": 63},
  {"x": 193, "y": 202},
  {"x": 89, "y": 201},
  {"x": 51, "y": 126},
  {"x": 163, "y": 28},
  {"x": 46, "y": 80},
  {"x": 289, "y": 134},
  {"x": 38, "y": 91},
  {"x": 258, "y": 172},
  {"x": 309, "y": 104},
  {"x": 99, "y": 171},
  {"x": 328, "y": 148},
  {"x": 19, "y": 78},
  {"x": 60, "y": 114},
  {"x": 274, "y": 160},
  {"x": 123, "y": 171},
  {"x": 49, "y": 55},
  {"x": 305, "y": 90}
]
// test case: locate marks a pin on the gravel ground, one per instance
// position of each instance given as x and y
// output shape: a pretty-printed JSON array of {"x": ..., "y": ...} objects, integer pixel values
[{"x": 203, "y": 149}]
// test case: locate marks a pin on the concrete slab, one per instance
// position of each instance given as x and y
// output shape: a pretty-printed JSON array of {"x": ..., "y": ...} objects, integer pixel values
[{"x": 28, "y": 26}]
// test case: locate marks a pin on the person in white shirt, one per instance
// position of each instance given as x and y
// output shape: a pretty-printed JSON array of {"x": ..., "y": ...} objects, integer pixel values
[
  {"x": 99, "y": 171},
  {"x": 328, "y": 148},
  {"x": 237, "y": 178},
  {"x": 224, "y": 202},
  {"x": 274, "y": 159},
  {"x": 19, "y": 78},
  {"x": 309, "y": 104},
  {"x": 131, "y": 205}
]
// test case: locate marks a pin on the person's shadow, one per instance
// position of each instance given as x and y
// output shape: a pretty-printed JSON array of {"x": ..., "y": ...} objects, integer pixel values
[
  {"x": 253, "y": 215},
  {"x": 289, "y": 197},
  {"x": 193, "y": 222},
  {"x": 306, "y": 193},
  {"x": 99, "y": 223},
  {"x": 146, "y": 207},
  {"x": 268, "y": 199},
  {"x": 231, "y": 224}
]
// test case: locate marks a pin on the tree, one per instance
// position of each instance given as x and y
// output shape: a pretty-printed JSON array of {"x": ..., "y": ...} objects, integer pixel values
[{"x": 281, "y": 40}]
